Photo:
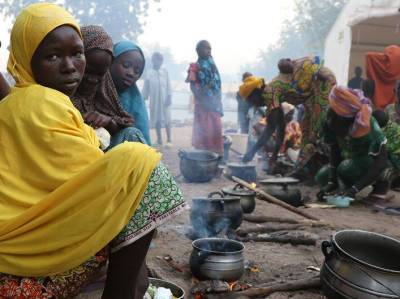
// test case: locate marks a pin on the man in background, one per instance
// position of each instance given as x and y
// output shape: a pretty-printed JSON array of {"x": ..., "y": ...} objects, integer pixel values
[
  {"x": 157, "y": 87},
  {"x": 357, "y": 81}
]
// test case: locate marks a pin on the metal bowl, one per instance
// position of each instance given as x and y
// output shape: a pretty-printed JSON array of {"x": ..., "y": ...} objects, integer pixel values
[{"x": 177, "y": 291}]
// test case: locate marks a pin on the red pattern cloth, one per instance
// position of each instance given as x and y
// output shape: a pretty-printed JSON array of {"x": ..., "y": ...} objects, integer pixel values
[
  {"x": 384, "y": 69},
  {"x": 207, "y": 130}
]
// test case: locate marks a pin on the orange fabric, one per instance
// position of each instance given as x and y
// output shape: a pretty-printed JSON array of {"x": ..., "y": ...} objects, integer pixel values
[
  {"x": 384, "y": 69},
  {"x": 347, "y": 102}
]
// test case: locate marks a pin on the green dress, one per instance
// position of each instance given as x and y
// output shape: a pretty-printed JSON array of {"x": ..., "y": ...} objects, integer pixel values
[
  {"x": 392, "y": 132},
  {"x": 358, "y": 154}
]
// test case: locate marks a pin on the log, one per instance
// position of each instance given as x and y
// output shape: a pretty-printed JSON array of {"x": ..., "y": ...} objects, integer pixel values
[
  {"x": 303, "y": 284},
  {"x": 271, "y": 199},
  {"x": 267, "y": 228},
  {"x": 294, "y": 238},
  {"x": 263, "y": 219}
]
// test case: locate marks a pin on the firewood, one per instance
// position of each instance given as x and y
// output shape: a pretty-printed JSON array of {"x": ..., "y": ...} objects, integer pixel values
[
  {"x": 293, "y": 237},
  {"x": 263, "y": 292},
  {"x": 267, "y": 228},
  {"x": 271, "y": 199},
  {"x": 263, "y": 219}
]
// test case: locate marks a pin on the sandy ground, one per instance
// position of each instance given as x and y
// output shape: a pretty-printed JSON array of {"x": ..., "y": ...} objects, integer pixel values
[{"x": 276, "y": 262}]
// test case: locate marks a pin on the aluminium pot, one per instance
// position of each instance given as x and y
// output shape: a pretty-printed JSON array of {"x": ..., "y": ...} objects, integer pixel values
[
  {"x": 362, "y": 265},
  {"x": 244, "y": 171},
  {"x": 198, "y": 166},
  {"x": 283, "y": 188},
  {"x": 214, "y": 214},
  {"x": 217, "y": 259},
  {"x": 247, "y": 197}
]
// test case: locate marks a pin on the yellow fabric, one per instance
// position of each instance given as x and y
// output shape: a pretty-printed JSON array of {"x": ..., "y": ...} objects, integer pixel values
[
  {"x": 61, "y": 198},
  {"x": 30, "y": 27},
  {"x": 249, "y": 85}
]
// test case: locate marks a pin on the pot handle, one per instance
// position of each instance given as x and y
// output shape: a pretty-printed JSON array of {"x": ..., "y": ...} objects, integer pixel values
[
  {"x": 324, "y": 247},
  {"x": 201, "y": 256},
  {"x": 211, "y": 195},
  {"x": 238, "y": 186},
  {"x": 181, "y": 153},
  {"x": 220, "y": 202}
]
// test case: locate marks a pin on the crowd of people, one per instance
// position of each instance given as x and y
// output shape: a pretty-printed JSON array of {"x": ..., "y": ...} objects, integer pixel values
[
  {"x": 80, "y": 183},
  {"x": 349, "y": 135}
]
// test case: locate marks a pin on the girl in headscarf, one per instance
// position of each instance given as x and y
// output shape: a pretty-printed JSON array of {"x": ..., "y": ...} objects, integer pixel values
[
  {"x": 66, "y": 207},
  {"x": 96, "y": 97},
  {"x": 358, "y": 146},
  {"x": 205, "y": 84},
  {"x": 126, "y": 69}
]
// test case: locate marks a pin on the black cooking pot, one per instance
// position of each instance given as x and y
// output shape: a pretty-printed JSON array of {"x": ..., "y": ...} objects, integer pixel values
[
  {"x": 247, "y": 197},
  {"x": 283, "y": 188},
  {"x": 361, "y": 264},
  {"x": 198, "y": 166},
  {"x": 217, "y": 259},
  {"x": 212, "y": 215},
  {"x": 243, "y": 171}
]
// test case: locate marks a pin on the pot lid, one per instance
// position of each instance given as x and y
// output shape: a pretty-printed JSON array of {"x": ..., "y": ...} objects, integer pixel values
[
  {"x": 280, "y": 180},
  {"x": 238, "y": 190},
  {"x": 241, "y": 165}
]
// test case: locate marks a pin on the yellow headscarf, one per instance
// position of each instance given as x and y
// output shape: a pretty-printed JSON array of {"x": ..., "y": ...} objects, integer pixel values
[
  {"x": 249, "y": 85},
  {"x": 61, "y": 198},
  {"x": 30, "y": 28}
]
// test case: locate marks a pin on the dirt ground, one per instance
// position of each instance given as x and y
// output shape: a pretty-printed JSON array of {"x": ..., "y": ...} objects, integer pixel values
[{"x": 276, "y": 262}]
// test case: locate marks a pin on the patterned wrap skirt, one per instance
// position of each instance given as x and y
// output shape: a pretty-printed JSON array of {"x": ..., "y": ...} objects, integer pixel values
[{"x": 161, "y": 201}]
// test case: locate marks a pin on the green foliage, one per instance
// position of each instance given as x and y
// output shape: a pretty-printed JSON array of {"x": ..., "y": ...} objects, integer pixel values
[
  {"x": 121, "y": 18},
  {"x": 303, "y": 35}
]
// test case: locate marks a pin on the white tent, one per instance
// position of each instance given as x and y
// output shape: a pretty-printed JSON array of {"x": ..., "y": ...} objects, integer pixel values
[{"x": 361, "y": 27}]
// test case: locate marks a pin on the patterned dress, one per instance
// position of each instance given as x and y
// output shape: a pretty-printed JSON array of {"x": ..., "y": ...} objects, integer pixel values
[
  {"x": 205, "y": 83},
  {"x": 304, "y": 86},
  {"x": 162, "y": 195}
]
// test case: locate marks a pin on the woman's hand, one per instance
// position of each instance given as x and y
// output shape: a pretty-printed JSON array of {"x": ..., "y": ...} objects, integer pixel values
[
  {"x": 97, "y": 120},
  {"x": 328, "y": 189},
  {"x": 127, "y": 121}
]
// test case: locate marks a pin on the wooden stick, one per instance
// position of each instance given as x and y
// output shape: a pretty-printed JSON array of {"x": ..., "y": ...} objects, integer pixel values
[
  {"x": 285, "y": 238},
  {"x": 274, "y": 200},
  {"x": 262, "y": 219},
  {"x": 236, "y": 152},
  {"x": 303, "y": 284},
  {"x": 267, "y": 228}
]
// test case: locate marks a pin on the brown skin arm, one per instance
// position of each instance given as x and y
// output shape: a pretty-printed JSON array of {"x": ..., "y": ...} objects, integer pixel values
[
  {"x": 380, "y": 163},
  {"x": 4, "y": 87}
]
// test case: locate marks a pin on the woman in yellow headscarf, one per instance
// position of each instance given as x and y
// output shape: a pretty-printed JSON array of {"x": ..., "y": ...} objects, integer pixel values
[{"x": 63, "y": 203}]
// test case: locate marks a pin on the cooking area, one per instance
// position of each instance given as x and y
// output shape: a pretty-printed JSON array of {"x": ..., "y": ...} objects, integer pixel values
[{"x": 234, "y": 243}]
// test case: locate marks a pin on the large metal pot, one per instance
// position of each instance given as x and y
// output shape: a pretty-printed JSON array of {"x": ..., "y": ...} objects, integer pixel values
[
  {"x": 283, "y": 188},
  {"x": 243, "y": 171},
  {"x": 362, "y": 265},
  {"x": 217, "y": 259},
  {"x": 247, "y": 197},
  {"x": 198, "y": 166},
  {"x": 212, "y": 215}
]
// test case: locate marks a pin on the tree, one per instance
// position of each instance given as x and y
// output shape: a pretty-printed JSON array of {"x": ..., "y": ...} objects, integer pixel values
[
  {"x": 121, "y": 18},
  {"x": 303, "y": 35}
]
